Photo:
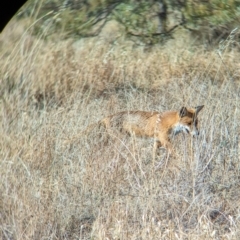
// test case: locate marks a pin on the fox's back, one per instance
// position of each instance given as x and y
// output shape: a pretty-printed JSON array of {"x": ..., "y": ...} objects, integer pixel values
[{"x": 139, "y": 122}]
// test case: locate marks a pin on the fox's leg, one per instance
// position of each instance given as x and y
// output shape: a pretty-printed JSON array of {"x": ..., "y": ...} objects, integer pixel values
[
  {"x": 164, "y": 142},
  {"x": 155, "y": 147}
]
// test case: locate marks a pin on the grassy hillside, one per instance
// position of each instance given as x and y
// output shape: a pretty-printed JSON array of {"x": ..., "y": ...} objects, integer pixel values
[{"x": 59, "y": 184}]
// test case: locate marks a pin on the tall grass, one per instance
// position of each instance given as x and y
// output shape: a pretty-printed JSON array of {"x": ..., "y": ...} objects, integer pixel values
[{"x": 108, "y": 187}]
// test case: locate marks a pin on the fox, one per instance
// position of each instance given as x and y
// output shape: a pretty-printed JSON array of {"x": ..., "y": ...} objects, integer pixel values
[{"x": 156, "y": 125}]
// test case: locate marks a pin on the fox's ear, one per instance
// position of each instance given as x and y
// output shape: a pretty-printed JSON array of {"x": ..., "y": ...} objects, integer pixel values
[
  {"x": 198, "y": 109},
  {"x": 183, "y": 112}
]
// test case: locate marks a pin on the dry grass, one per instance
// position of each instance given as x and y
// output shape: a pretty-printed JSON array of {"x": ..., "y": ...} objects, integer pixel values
[{"x": 110, "y": 188}]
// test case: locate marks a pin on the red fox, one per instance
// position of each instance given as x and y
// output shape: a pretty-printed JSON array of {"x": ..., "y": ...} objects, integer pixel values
[{"x": 154, "y": 124}]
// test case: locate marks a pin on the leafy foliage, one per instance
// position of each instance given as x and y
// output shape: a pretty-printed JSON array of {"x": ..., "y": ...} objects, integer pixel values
[
  {"x": 149, "y": 21},
  {"x": 215, "y": 12}
]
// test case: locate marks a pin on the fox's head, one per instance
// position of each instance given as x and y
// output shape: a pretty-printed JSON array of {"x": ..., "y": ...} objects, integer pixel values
[{"x": 188, "y": 120}]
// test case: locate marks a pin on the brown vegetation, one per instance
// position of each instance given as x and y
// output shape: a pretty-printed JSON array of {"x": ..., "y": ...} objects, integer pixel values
[{"x": 109, "y": 189}]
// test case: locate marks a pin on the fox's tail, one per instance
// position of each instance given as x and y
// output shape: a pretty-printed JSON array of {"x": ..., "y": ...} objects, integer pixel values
[{"x": 85, "y": 132}]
